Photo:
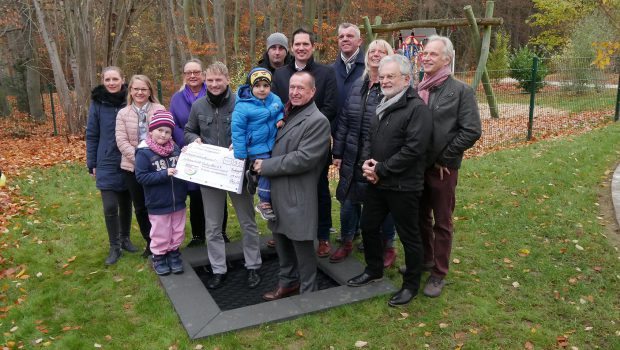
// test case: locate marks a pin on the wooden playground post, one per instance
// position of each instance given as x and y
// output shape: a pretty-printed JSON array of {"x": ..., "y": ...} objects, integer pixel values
[{"x": 482, "y": 54}]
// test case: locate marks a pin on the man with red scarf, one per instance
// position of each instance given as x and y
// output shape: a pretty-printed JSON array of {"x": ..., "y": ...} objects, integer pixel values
[{"x": 456, "y": 127}]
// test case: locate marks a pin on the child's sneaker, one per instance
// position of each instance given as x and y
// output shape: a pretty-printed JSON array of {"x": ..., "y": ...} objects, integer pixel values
[
  {"x": 160, "y": 265},
  {"x": 252, "y": 180},
  {"x": 175, "y": 262},
  {"x": 265, "y": 211}
]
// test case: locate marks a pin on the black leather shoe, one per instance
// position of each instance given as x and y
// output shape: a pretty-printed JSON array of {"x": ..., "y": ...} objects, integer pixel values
[
  {"x": 402, "y": 297},
  {"x": 216, "y": 281},
  {"x": 253, "y": 278},
  {"x": 363, "y": 280}
]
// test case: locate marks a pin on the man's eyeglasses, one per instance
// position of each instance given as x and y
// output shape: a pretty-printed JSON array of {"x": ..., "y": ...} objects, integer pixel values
[{"x": 389, "y": 77}]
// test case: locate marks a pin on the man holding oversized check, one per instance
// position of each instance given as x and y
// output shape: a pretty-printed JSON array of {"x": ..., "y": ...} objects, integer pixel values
[{"x": 208, "y": 135}]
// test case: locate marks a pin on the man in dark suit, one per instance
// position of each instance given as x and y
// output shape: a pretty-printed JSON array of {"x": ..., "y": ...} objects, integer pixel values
[
  {"x": 326, "y": 100},
  {"x": 301, "y": 147}
]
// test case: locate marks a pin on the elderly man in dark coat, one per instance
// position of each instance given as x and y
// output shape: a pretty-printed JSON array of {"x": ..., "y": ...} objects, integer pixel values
[
  {"x": 394, "y": 159},
  {"x": 301, "y": 149}
]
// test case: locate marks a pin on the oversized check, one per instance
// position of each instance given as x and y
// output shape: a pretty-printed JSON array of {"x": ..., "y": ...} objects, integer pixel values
[{"x": 211, "y": 166}]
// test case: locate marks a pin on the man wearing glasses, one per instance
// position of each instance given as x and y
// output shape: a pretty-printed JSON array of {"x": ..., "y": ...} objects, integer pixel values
[{"x": 393, "y": 163}]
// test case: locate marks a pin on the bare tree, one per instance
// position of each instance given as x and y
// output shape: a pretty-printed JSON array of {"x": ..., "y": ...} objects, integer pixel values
[
  {"x": 172, "y": 44},
  {"x": 118, "y": 17},
  {"x": 236, "y": 29},
  {"x": 219, "y": 15},
  {"x": 252, "y": 31},
  {"x": 67, "y": 101},
  {"x": 207, "y": 21}
]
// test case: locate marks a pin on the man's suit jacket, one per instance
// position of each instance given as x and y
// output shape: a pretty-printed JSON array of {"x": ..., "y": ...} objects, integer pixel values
[{"x": 298, "y": 156}]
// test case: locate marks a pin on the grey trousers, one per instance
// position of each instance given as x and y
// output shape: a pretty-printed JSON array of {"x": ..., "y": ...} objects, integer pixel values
[
  {"x": 297, "y": 263},
  {"x": 213, "y": 200}
]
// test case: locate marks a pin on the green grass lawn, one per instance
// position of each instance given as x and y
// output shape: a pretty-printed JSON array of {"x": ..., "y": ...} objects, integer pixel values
[{"x": 531, "y": 263}]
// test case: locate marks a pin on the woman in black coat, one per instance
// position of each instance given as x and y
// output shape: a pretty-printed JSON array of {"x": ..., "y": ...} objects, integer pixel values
[
  {"x": 103, "y": 160},
  {"x": 353, "y": 124}
]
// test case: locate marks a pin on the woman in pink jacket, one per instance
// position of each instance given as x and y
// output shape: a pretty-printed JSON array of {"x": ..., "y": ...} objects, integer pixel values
[{"x": 132, "y": 126}]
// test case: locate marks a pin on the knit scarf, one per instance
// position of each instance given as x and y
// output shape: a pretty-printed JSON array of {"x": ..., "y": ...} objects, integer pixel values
[
  {"x": 189, "y": 94},
  {"x": 431, "y": 81},
  {"x": 349, "y": 62},
  {"x": 385, "y": 104},
  {"x": 143, "y": 124},
  {"x": 163, "y": 150}
]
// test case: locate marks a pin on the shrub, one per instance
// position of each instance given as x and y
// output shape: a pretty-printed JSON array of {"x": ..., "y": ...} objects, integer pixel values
[
  {"x": 498, "y": 63},
  {"x": 521, "y": 69}
]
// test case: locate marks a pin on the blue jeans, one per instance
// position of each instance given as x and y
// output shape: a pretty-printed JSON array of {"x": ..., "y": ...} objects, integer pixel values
[
  {"x": 350, "y": 213},
  {"x": 264, "y": 184}
]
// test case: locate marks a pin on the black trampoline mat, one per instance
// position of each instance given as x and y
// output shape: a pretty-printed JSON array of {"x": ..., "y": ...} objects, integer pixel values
[
  {"x": 234, "y": 306},
  {"x": 235, "y": 292}
]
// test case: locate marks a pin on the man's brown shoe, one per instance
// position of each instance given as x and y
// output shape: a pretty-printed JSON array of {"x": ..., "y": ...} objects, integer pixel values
[
  {"x": 324, "y": 249},
  {"x": 341, "y": 253},
  {"x": 271, "y": 243},
  {"x": 281, "y": 293}
]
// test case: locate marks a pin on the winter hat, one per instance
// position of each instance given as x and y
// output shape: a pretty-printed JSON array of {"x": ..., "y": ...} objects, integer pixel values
[
  {"x": 161, "y": 118},
  {"x": 277, "y": 39},
  {"x": 257, "y": 74}
]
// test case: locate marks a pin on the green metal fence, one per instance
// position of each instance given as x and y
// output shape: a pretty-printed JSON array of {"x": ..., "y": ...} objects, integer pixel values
[{"x": 573, "y": 95}]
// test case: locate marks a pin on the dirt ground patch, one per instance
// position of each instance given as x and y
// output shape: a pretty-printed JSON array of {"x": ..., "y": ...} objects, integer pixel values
[{"x": 520, "y": 110}]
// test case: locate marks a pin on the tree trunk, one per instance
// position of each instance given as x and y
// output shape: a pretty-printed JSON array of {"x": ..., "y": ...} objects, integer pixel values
[
  {"x": 252, "y": 32},
  {"x": 319, "y": 33},
  {"x": 187, "y": 8},
  {"x": 172, "y": 48},
  {"x": 205, "y": 16},
  {"x": 66, "y": 101},
  {"x": 344, "y": 11},
  {"x": 198, "y": 34},
  {"x": 33, "y": 84},
  {"x": 219, "y": 15},
  {"x": 81, "y": 58},
  {"x": 236, "y": 29},
  {"x": 123, "y": 14},
  {"x": 172, "y": 4},
  {"x": 309, "y": 14}
]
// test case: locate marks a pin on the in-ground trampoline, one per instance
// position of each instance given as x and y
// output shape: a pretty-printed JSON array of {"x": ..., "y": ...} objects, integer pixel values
[{"x": 235, "y": 306}]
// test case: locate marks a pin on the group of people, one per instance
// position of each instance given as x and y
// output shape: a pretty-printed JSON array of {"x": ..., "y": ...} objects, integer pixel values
[{"x": 397, "y": 149}]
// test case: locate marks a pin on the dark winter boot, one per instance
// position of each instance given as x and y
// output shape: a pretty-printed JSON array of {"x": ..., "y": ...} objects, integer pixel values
[
  {"x": 175, "y": 262},
  {"x": 111, "y": 223},
  {"x": 127, "y": 245},
  {"x": 113, "y": 256},
  {"x": 160, "y": 265}
]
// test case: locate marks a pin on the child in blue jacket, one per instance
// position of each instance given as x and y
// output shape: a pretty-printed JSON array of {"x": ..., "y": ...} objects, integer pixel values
[
  {"x": 258, "y": 114},
  {"x": 156, "y": 159}
]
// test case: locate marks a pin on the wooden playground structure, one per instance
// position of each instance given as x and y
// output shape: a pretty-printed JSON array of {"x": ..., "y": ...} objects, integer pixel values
[{"x": 481, "y": 46}]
